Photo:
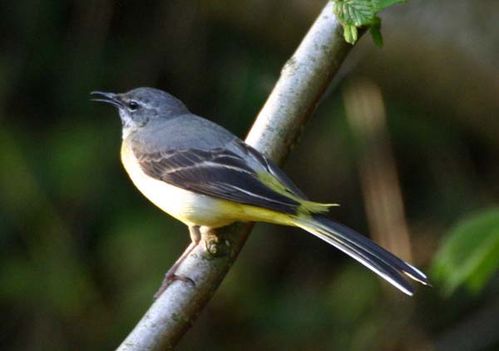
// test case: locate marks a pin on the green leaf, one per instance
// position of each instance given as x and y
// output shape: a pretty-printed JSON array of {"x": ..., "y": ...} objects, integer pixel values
[
  {"x": 375, "y": 31},
  {"x": 350, "y": 33},
  {"x": 383, "y": 4},
  {"x": 469, "y": 255},
  {"x": 354, "y": 14}
]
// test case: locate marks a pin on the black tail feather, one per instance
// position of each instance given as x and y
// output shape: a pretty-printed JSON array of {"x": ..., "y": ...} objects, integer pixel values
[{"x": 373, "y": 256}]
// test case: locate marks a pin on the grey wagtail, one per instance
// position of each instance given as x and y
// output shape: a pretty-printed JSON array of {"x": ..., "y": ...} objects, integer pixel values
[{"x": 206, "y": 177}]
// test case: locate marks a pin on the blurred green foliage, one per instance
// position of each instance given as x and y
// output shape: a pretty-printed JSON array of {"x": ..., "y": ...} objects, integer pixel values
[
  {"x": 469, "y": 254},
  {"x": 82, "y": 252}
]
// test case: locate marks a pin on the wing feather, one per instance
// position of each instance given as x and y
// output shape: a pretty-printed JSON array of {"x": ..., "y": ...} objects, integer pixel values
[{"x": 218, "y": 172}]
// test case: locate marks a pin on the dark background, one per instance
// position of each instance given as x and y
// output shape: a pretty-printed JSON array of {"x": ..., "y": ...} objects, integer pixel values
[{"x": 82, "y": 252}]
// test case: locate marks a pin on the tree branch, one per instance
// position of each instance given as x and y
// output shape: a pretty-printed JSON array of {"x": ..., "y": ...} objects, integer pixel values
[{"x": 303, "y": 80}]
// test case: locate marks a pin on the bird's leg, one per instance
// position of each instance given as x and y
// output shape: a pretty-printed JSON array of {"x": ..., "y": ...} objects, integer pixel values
[
  {"x": 215, "y": 244},
  {"x": 170, "y": 276}
]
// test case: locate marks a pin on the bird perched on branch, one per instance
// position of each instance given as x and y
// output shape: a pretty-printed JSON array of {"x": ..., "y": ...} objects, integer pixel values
[{"x": 206, "y": 177}]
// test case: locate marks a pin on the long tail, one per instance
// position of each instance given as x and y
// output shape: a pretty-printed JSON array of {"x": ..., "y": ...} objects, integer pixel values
[{"x": 388, "y": 266}]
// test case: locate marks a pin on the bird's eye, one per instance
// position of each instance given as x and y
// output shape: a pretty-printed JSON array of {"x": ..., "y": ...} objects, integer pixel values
[{"x": 132, "y": 105}]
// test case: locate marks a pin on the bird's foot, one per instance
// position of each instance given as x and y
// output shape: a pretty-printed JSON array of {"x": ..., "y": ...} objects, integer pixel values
[
  {"x": 215, "y": 244},
  {"x": 172, "y": 275}
]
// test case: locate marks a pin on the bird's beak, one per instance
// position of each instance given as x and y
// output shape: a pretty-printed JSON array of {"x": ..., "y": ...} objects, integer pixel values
[{"x": 110, "y": 98}]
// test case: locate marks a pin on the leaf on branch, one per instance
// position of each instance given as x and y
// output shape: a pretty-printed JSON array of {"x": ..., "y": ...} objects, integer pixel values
[
  {"x": 375, "y": 30},
  {"x": 469, "y": 255},
  {"x": 354, "y": 14}
]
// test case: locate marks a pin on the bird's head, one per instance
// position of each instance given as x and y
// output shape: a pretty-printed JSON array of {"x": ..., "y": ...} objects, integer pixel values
[{"x": 139, "y": 107}]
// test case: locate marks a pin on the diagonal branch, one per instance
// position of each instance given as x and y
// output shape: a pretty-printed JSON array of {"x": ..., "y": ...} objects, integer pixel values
[{"x": 303, "y": 80}]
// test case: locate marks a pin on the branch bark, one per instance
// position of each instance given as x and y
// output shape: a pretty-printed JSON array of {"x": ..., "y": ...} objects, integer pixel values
[{"x": 301, "y": 84}]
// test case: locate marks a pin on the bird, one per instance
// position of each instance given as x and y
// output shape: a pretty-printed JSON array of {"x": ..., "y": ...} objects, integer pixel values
[{"x": 206, "y": 177}]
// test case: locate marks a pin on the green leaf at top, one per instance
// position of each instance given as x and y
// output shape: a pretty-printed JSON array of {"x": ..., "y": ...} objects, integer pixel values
[
  {"x": 361, "y": 13},
  {"x": 355, "y": 12},
  {"x": 375, "y": 31},
  {"x": 383, "y": 4},
  {"x": 350, "y": 33},
  {"x": 469, "y": 255}
]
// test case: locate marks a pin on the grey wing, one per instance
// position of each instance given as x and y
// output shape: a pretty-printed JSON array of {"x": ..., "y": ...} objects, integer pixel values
[
  {"x": 193, "y": 132},
  {"x": 220, "y": 173}
]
